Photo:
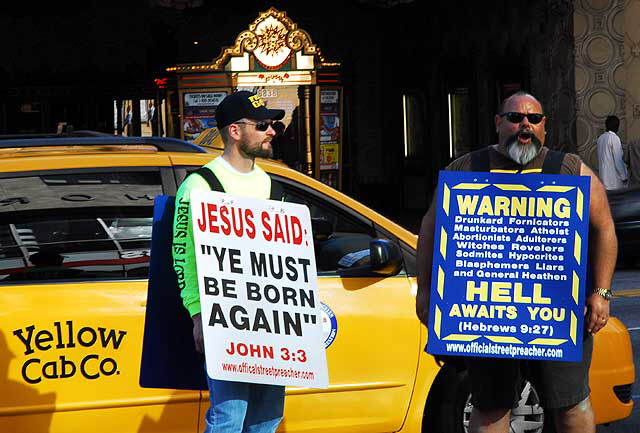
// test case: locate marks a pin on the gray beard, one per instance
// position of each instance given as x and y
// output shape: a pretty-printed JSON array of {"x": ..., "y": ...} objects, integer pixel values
[{"x": 523, "y": 154}]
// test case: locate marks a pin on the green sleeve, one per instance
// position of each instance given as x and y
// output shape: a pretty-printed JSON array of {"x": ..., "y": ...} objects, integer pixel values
[{"x": 184, "y": 256}]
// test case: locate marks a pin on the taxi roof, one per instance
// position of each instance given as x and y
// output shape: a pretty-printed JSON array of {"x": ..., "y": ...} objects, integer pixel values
[
  {"x": 161, "y": 144},
  {"x": 178, "y": 153}
]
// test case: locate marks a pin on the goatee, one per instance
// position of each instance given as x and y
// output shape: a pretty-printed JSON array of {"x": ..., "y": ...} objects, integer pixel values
[{"x": 523, "y": 153}]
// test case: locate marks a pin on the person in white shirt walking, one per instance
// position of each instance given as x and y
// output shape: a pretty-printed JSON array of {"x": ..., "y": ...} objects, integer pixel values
[{"x": 611, "y": 166}]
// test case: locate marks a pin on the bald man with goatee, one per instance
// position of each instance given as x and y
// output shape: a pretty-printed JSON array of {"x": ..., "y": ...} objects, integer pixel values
[{"x": 495, "y": 382}]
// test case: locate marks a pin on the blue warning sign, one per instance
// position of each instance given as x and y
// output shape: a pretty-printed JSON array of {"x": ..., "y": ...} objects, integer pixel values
[{"x": 509, "y": 266}]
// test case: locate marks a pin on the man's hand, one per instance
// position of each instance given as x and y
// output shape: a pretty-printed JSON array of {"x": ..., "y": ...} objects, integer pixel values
[
  {"x": 198, "y": 337},
  {"x": 597, "y": 313}
]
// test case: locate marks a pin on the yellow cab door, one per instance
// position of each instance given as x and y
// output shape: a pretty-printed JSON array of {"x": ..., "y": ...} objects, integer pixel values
[
  {"x": 74, "y": 253},
  {"x": 371, "y": 335}
]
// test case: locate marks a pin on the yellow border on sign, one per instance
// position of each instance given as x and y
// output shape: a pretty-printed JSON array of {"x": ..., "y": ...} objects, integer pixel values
[
  {"x": 437, "y": 322},
  {"x": 531, "y": 170},
  {"x": 573, "y": 330},
  {"x": 443, "y": 243},
  {"x": 474, "y": 186},
  {"x": 461, "y": 337},
  {"x": 441, "y": 282},
  {"x": 445, "y": 199},
  {"x": 549, "y": 341},
  {"x": 555, "y": 188},
  {"x": 580, "y": 204},
  {"x": 502, "y": 339},
  {"x": 511, "y": 187},
  {"x": 577, "y": 247},
  {"x": 575, "y": 287}
]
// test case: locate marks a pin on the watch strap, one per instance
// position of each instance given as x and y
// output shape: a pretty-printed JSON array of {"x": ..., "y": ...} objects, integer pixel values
[{"x": 604, "y": 292}]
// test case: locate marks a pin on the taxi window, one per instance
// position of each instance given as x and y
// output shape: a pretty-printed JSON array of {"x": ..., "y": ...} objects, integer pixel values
[
  {"x": 341, "y": 239},
  {"x": 67, "y": 225},
  {"x": 341, "y": 236}
]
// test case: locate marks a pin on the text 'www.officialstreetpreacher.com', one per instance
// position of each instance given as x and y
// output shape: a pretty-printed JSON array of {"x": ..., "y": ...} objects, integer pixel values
[
  {"x": 254, "y": 369},
  {"x": 500, "y": 349}
]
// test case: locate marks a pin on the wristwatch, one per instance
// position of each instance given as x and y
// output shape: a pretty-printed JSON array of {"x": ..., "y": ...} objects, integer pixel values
[{"x": 605, "y": 293}]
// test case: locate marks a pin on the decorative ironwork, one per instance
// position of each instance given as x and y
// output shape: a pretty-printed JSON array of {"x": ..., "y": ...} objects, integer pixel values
[
  {"x": 299, "y": 40},
  {"x": 245, "y": 41}
]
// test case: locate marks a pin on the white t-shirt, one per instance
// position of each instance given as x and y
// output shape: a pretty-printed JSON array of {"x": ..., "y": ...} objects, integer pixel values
[{"x": 612, "y": 169}]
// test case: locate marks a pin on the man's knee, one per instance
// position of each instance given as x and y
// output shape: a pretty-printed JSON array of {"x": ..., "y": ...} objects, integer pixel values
[
  {"x": 580, "y": 409},
  {"x": 576, "y": 418}
]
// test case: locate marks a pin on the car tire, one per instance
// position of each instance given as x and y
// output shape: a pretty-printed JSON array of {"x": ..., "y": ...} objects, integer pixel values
[{"x": 454, "y": 409}]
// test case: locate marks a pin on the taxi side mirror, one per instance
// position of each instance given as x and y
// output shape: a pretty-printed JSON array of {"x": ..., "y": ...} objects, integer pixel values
[{"x": 386, "y": 259}]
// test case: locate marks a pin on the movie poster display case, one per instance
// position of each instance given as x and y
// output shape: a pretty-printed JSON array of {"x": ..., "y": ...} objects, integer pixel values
[{"x": 277, "y": 60}]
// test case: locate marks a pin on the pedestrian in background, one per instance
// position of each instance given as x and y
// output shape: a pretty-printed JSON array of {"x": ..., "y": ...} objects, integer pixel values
[
  {"x": 151, "y": 118},
  {"x": 611, "y": 167},
  {"x": 128, "y": 119}
]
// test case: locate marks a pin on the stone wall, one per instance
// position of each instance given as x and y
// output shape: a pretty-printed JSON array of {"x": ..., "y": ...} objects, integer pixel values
[
  {"x": 601, "y": 77},
  {"x": 632, "y": 66}
]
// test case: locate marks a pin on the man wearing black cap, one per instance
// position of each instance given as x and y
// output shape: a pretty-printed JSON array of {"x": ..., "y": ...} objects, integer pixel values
[{"x": 245, "y": 125}]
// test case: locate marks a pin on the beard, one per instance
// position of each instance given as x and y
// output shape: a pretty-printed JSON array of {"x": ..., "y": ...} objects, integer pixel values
[
  {"x": 256, "y": 150},
  {"x": 523, "y": 153}
]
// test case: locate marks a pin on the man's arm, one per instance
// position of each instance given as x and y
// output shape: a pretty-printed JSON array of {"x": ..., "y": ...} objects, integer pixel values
[
  {"x": 603, "y": 251},
  {"x": 425, "y": 259},
  {"x": 618, "y": 159}
]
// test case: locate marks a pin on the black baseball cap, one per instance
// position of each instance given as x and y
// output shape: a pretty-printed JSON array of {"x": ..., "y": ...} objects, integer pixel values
[{"x": 244, "y": 105}]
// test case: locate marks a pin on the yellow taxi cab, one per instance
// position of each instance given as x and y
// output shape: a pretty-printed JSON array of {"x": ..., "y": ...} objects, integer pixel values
[{"x": 76, "y": 221}]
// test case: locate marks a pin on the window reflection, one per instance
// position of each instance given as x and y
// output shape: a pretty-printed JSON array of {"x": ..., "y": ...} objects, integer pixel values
[
  {"x": 77, "y": 226},
  {"x": 76, "y": 248}
]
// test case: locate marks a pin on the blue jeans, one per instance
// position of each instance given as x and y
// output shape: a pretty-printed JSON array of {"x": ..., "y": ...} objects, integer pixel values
[{"x": 243, "y": 407}]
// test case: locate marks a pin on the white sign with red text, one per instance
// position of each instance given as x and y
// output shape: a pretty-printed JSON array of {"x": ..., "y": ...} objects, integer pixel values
[{"x": 261, "y": 314}]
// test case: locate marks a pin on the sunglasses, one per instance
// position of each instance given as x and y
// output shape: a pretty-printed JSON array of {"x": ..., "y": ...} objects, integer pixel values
[
  {"x": 514, "y": 117},
  {"x": 262, "y": 125}
]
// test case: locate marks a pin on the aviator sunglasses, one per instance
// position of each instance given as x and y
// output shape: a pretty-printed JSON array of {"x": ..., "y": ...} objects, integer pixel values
[
  {"x": 262, "y": 125},
  {"x": 515, "y": 117}
]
